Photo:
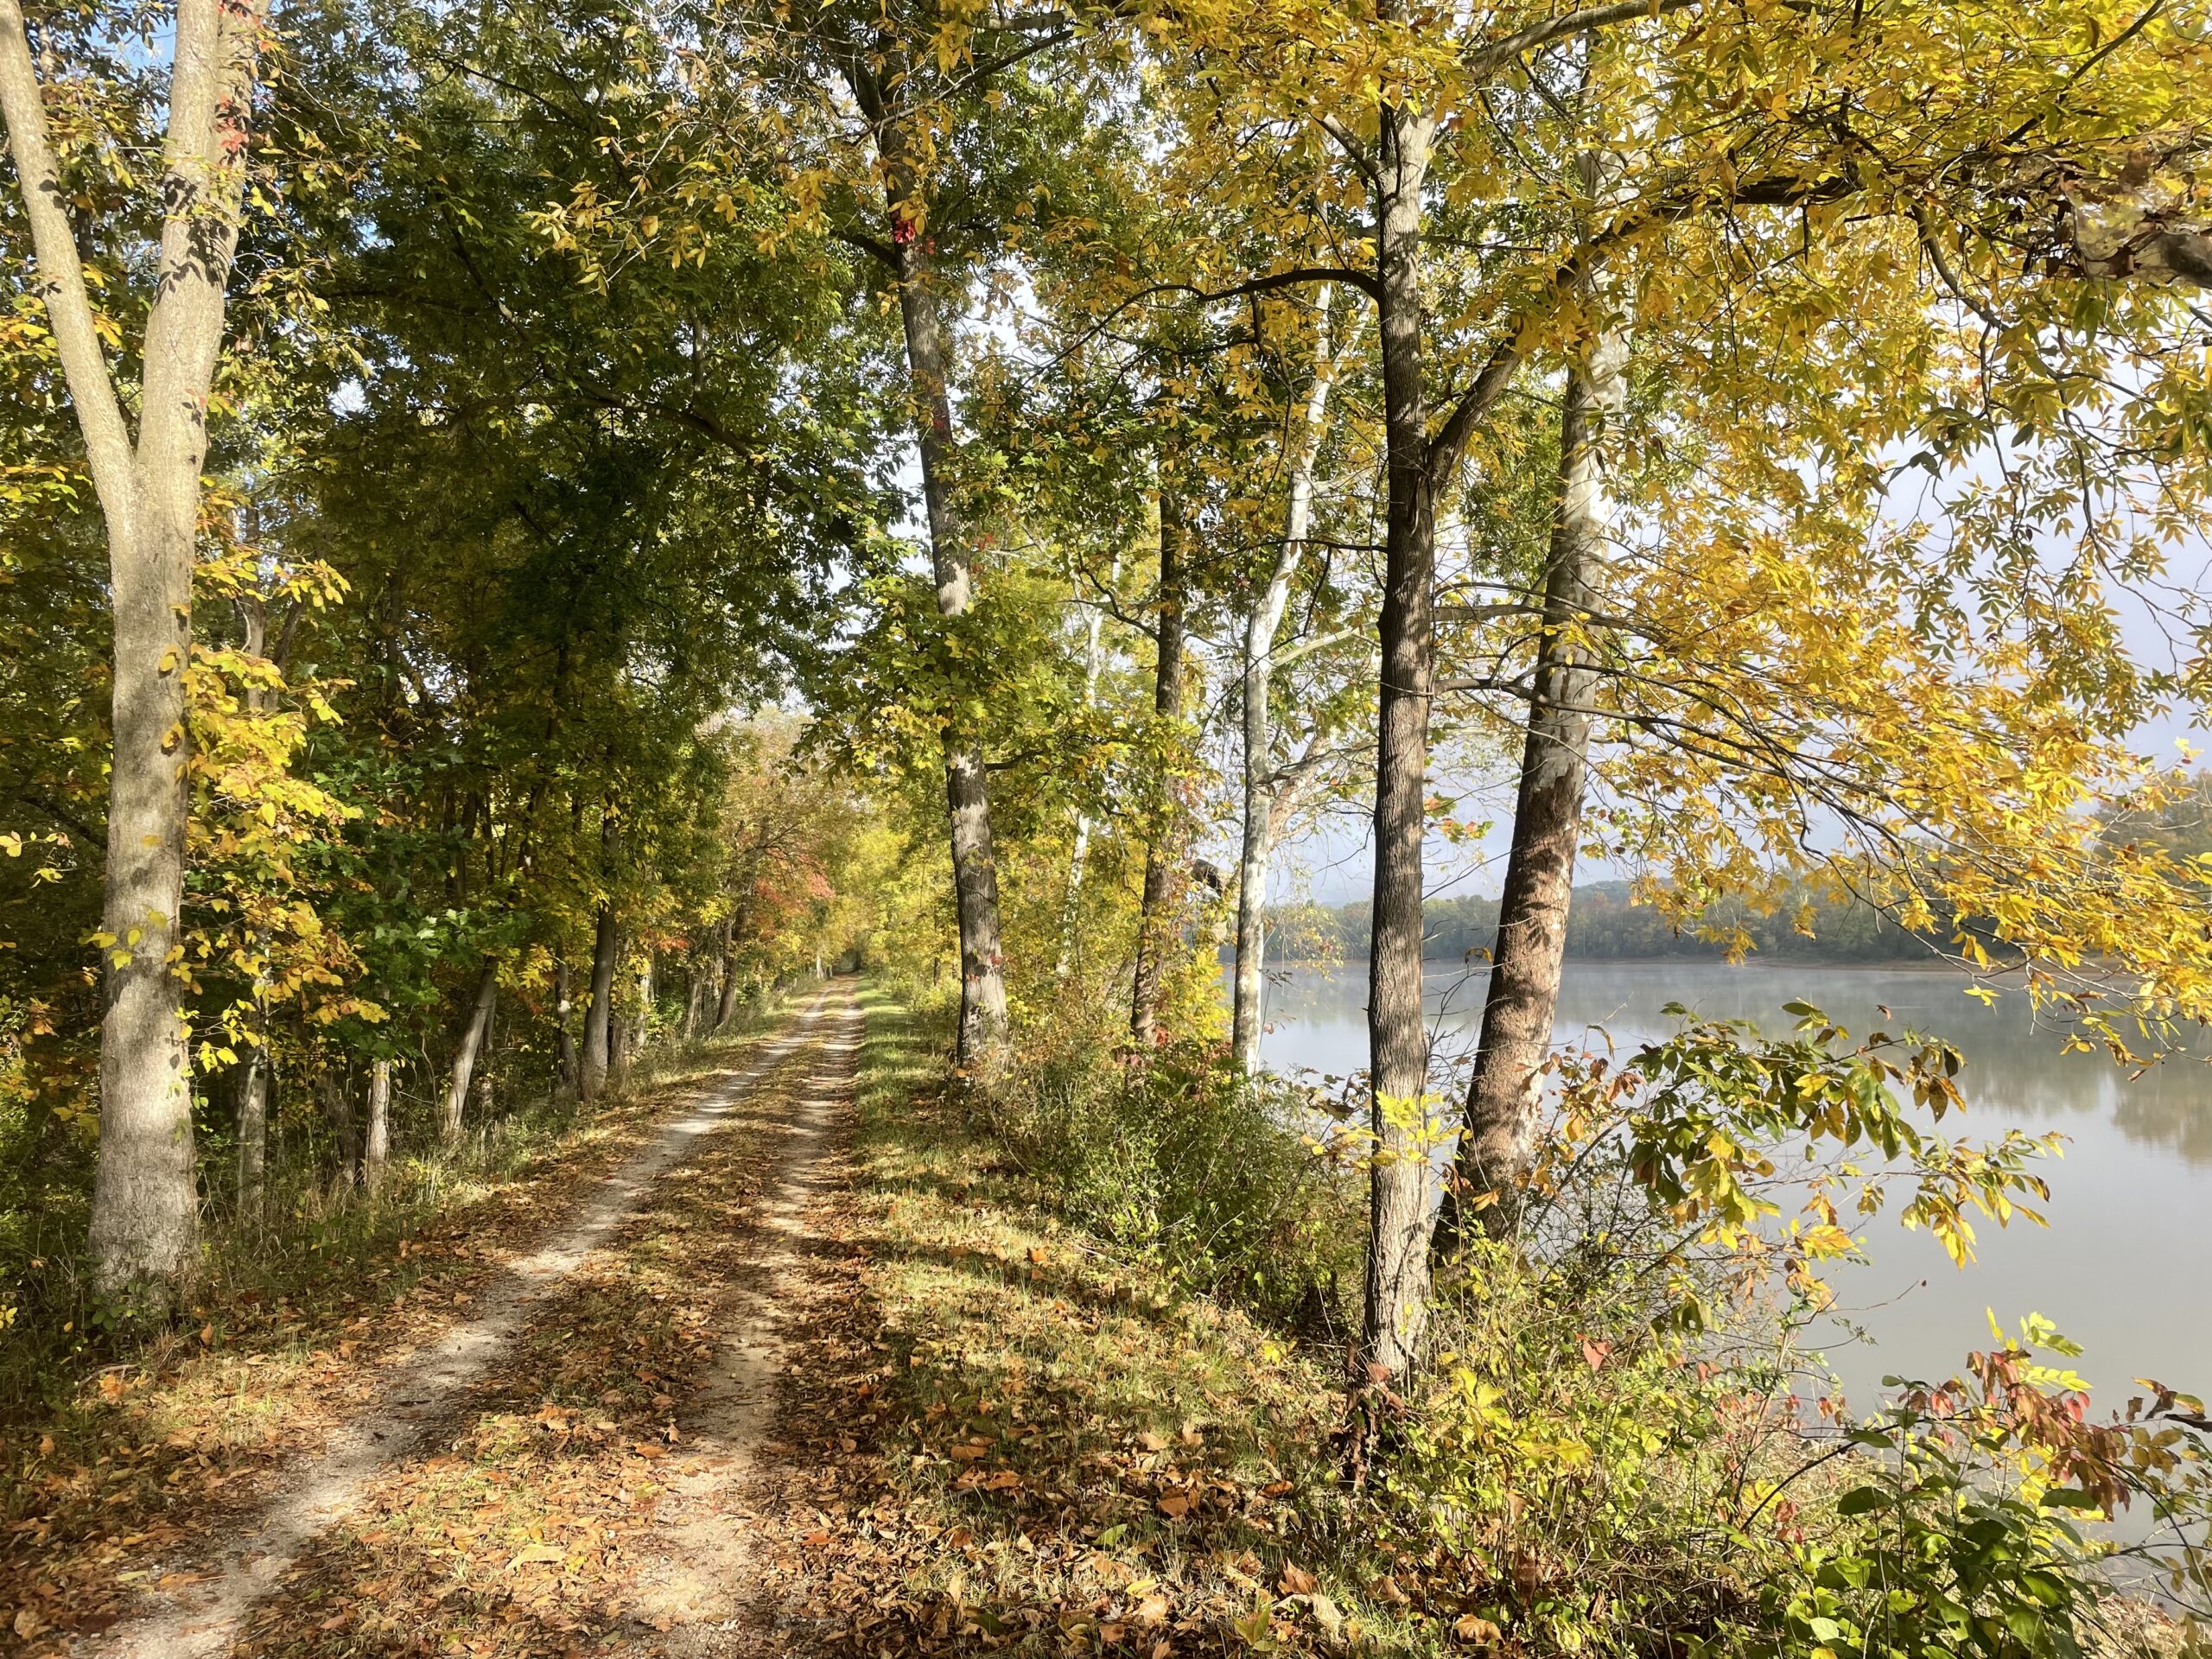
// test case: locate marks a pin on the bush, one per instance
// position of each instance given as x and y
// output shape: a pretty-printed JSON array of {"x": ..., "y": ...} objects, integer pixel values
[
  {"x": 1235, "y": 1188},
  {"x": 1610, "y": 1450},
  {"x": 1607, "y": 1454}
]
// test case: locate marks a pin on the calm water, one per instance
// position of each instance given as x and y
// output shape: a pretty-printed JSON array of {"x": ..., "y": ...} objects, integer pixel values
[{"x": 2122, "y": 1267}]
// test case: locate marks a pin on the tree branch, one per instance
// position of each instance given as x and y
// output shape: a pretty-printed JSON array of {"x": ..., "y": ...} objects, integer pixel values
[
  {"x": 1495, "y": 56},
  {"x": 203, "y": 179},
  {"x": 61, "y": 273}
]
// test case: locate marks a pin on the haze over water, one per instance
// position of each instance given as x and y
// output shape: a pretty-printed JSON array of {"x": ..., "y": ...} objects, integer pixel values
[{"x": 2121, "y": 1269}]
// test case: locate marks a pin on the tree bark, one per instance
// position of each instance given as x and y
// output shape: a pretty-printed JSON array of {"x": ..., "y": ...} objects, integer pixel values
[
  {"x": 337, "y": 1113},
  {"x": 1507, "y": 1090},
  {"x": 253, "y": 1138},
  {"x": 725, "y": 1002},
  {"x": 695, "y": 999},
  {"x": 605, "y": 953},
  {"x": 1258, "y": 838},
  {"x": 982, "y": 1038},
  {"x": 982, "y": 1033},
  {"x": 376, "y": 1145},
  {"x": 564, "y": 1039},
  {"x": 465, "y": 1055},
  {"x": 1079, "y": 850},
  {"x": 1396, "y": 1313},
  {"x": 1158, "y": 911},
  {"x": 145, "y": 1228},
  {"x": 599, "y": 1016}
]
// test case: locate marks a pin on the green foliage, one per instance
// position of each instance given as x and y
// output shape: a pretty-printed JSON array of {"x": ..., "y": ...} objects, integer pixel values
[
  {"x": 1609, "y": 1450},
  {"x": 1228, "y": 1187},
  {"x": 1706, "y": 1112},
  {"x": 1964, "y": 1536}
]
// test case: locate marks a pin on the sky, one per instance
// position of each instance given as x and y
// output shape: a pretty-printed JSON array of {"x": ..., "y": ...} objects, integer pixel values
[{"x": 1330, "y": 863}]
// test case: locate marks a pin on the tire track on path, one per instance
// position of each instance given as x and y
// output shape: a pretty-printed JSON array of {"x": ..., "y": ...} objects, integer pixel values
[
  {"x": 705, "y": 1588},
  {"x": 204, "y": 1618}
]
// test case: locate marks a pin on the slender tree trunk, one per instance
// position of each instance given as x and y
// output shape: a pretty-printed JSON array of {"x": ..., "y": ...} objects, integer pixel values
[
  {"x": 376, "y": 1146},
  {"x": 1260, "y": 630},
  {"x": 337, "y": 1113},
  {"x": 619, "y": 1032},
  {"x": 564, "y": 1039},
  {"x": 1396, "y": 1301},
  {"x": 619, "y": 1035},
  {"x": 648, "y": 999},
  {"x": 1506, "y": 1093},
  {"x": 1080, "y": 851},
  {"x": 592, "y": 1067},
  {"x": 598, "y": 1015},
  {"x": 726, "y": 1004},
  {"x": 465, "y": 1054},
  {"x": 695, "y": 1000},
  {"x": 145, "y": 1225},
  {"x": 253, "y": 1138},
  {"x": 922, "y": 304},
  {"x": 1158, "y": 910}
]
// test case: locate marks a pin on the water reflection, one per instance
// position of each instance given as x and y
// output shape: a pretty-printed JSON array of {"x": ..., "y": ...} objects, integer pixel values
[{"x": 2120, "y": 1267}]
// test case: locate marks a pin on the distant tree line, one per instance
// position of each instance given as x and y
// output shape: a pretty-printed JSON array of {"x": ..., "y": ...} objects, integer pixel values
[{"x": 1604, "y": 925}]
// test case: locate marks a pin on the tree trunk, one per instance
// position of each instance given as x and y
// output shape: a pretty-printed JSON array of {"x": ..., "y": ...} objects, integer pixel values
[
  {"x": 1080, "y": 851},
  {"x": 726, "y": 1003},
  {"x": 1260, "y": 630},
  {"x": 695, "y": 1000},
  {"x": 464, "y": 1057},
  {"x": 1396, "y": 1301},
  {"x": 565, "y": 1040},
  {"x": 146, "y": 1224},
  {"x": 1507, "y": 1090},
  {"x": 338, "y": 1113},
  {"x": 619, "y": 1035},
  {"x": 640, "y": 1030},
  {"x": 983, "y": 1034},
  {"x": 591, "y": 1073},
  {"x": 1158, "y": 910},
  {"x": 253, "y": 1138},
  {"x": 376, "y": 1146}
]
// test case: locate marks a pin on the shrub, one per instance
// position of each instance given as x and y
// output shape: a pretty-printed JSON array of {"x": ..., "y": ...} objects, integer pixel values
[
  {"x": 1234, "y": 1187},
  {"x": 1607, "y": 1454}
]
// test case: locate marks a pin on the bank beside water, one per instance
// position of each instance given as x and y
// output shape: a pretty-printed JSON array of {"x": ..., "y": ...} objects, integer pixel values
[{"x": 2119, "y": 1267}]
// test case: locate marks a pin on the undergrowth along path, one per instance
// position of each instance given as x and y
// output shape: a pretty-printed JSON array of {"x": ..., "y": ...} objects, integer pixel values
[{"x": 424, "y": 1393}]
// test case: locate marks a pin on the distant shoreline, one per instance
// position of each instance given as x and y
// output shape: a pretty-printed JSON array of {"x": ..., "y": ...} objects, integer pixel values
[
  {"x": 1432, "y": 966},
  {"x": 1607, "y": 923}
]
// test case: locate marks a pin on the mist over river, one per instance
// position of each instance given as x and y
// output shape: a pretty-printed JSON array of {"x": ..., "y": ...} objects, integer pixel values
[{"x": 2121, "y": 1269}]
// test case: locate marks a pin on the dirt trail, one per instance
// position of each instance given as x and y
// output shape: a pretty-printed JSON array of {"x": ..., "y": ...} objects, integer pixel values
[
  {"x": 700, "y": 1585},
  {"x": 703, "y": 1542}
]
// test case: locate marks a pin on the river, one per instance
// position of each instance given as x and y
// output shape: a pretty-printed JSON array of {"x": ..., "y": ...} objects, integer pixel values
[{"x": 2122, "y": 1268}]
